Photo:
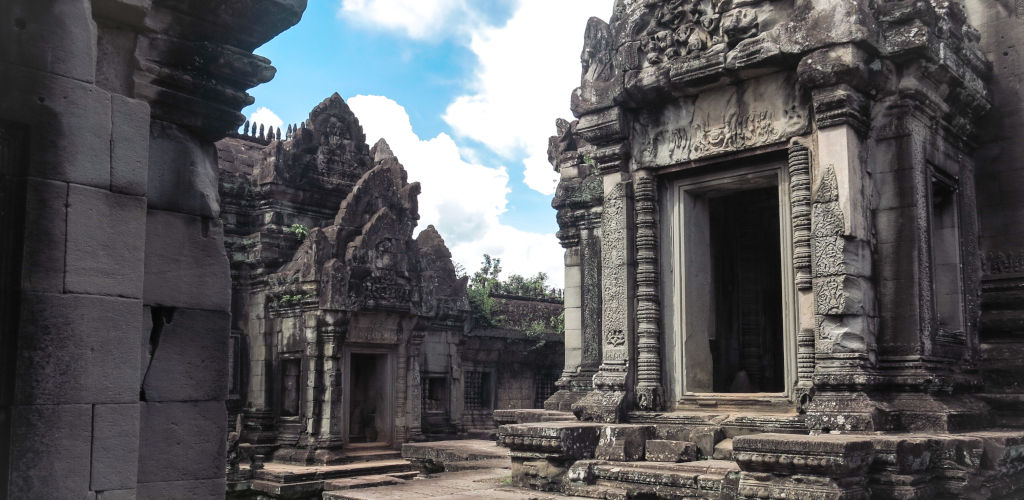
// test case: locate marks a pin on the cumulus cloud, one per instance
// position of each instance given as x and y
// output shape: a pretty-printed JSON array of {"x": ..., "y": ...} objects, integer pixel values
[
  {"x": 527, "y": 70},
  {"x": 266, "y": 117},
  {"x": 417, "y": 19},
  {"x": 463, "y": 199}
]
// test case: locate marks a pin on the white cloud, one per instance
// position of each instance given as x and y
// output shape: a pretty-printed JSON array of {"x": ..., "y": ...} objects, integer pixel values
[
  {"x": 417, "y": 19},
  {"x": 528, "y": 68},
  {"x": 266, "y": 117},
  {"x": 461, "y": 198}
]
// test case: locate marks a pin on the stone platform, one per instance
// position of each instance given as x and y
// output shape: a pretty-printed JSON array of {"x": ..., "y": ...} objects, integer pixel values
[
  {"x": 438, "y": 456},
  {"x": 663, "y": 461},
  {"x": 290, "y": 481},
  {"x": 491, "y": 483}
]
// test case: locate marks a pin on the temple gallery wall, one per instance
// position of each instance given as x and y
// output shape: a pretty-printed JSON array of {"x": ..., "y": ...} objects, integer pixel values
[{"x": 793, "y": 244}]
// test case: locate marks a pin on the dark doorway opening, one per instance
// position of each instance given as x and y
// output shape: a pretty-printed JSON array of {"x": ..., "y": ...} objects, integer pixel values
[
  {"x": 368, "y": 398},
  {"x": 291, "y": 371},
  {"x": 746, "y": 342}
]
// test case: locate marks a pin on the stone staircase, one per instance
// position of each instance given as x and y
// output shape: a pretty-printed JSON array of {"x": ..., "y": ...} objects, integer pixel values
[{"x": 359, "y": 466}]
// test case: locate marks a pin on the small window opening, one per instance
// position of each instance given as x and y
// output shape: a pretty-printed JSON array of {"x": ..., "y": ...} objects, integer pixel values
[
  {"x": 290, "y": 370},
  {"x": 544, "y": 387},
  {"x": 946, "y": 272},
  {"x": 478, "y": 390},
  {"x": 436, "y": 394}
]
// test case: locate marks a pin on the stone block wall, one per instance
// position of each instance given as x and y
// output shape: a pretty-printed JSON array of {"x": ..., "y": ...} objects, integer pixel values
[
  {"x": 115, "y": 324},
  {"x": 518, "y": 364}
]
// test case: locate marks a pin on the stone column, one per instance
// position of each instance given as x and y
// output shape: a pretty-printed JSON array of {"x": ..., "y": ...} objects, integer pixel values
[
  {"x": 562, "y": 399},
  {"x": 414, "y": 388},
  {"x": 844, "y": 306},
  {"x": 611, "y": 396},
  {"x": 649, "y": 394},
  {"x": 331, "y": 417}
]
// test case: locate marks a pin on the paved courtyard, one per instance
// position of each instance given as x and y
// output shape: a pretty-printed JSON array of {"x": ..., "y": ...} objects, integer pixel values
[{"x": 482, "y": 483}]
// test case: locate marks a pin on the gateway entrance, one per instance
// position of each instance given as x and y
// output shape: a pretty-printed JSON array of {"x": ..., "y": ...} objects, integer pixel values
[{"x": 369, "y": 398}]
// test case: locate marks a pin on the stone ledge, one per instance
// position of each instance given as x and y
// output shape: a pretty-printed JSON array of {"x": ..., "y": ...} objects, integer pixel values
[
  {"x": 830, "y": 455},
  {"x": 568, "y": 440}
]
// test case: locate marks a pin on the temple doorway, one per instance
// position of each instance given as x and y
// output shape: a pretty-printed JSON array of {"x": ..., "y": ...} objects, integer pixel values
[
  {"x": 369, "y": 398},
  {"x": 729, "y": 294},
  {"x": 746, "y": 342}
]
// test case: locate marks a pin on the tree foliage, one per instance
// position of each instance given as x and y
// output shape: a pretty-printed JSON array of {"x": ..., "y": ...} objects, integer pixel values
[{"x": 486, "y": 282}]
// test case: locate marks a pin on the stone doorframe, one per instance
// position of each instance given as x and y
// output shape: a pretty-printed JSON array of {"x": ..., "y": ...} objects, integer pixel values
[
  {"x": 346, "y": 380},
  {"x": 679, "y": 295}
]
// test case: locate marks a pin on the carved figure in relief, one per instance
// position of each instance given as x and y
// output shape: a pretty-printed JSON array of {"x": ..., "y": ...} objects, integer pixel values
[{"x": 690, "y": 28}]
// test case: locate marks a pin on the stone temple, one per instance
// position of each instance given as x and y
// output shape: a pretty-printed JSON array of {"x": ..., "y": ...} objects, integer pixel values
[
  {"x": 793, "y": 246},
  {"x": 350, "y": 336},
  {"x": 791, "y": 235}
]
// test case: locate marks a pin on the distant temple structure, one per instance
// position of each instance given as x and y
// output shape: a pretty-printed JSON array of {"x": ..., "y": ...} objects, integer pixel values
[
  {"x": 791, "y": 235},
  {"x": 347, "y": 330}
]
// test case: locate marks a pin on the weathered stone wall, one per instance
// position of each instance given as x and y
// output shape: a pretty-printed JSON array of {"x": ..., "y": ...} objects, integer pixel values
[
  {"x": 518, "y": 363},
  {"x": 115, "y": 336},
  {"x": 1000, "y": 170}
]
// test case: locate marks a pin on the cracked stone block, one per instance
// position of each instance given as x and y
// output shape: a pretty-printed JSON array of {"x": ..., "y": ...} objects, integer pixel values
[
  {"x": 191, "y": 358},
  {"x": 658, "y": 450},
  {"x": 186, "y": 264}
]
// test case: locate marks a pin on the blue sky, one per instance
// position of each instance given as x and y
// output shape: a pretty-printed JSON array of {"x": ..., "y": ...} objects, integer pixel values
[{"x": 465, "y": 92}]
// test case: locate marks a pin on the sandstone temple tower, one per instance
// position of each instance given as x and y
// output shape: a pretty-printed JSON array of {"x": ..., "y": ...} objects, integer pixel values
[{"x": 774, "y": 254}]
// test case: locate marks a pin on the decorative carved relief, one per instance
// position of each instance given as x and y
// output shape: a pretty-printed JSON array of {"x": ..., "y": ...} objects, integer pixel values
[
  {"x": 693, "y": 28},
  {"x": 827, "y": 260},
  {"x": 800, "y": 203},
  {"x": 615, "y": 338},
  {"x": 738, "y": 132},
  {"x": 614, "y": 268},
  {"x": 1003, "y": 262},
  {"x": 753, "y": 113},
  {"x": 591, "y": 307}
]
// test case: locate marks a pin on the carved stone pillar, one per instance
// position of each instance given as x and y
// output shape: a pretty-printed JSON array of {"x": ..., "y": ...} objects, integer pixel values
[
  {"x": 611, "y": 396},
  {"x": 414, "y": 387},
  {"x": 590, "y": 248},
  {"x": 648, "y": 365},
  {"x": 612, "y": 384},
  {"x": 331, "y": 417},
  {"x": 800, "y": 210}
]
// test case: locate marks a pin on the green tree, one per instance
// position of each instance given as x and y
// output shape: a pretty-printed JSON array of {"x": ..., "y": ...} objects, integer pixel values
[{"x": 487, "y": 281}]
